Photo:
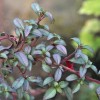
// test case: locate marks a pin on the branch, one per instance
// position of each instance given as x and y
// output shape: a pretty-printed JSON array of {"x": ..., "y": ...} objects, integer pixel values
[
  {"x": 77, "y": 73},
  {"x": 68, "y": 57}
]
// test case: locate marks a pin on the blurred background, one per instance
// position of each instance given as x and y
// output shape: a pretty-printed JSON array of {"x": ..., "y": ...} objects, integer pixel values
[{"x": 73, "y": 18}]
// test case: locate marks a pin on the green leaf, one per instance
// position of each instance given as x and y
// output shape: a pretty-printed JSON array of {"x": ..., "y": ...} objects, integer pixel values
[
  {"x": 22, "y": 58},
  {"x": 18, "y": 83},
  {"x": 57, "y": 58},
  {"x": 91, "y": 10},
  {"x": 63, "y": 84},
  {"x": 46, "y": 68},
  {"x": 26, "y": 85},
  {"x": 35, "y": 79},
  {"x": 77, "y": 40},
  {"x": 3, "y": 55},
  {"x": 59, "y": 90},
  {"x": 20, "y": 93},
  {"x": 5, "y": 48},
  {"x": 18, "y": 22},
  {"x": 85, "y": 57},
  {"x": 72, "y": 77},
  {"x": 19, "y": 32},
  {"x": 37, "y": 52},
  {"x": 44, "y": 32},
  {"x": 82, "y": 71},
  {"x": 27, "y": 30},
  {"x": 58, "y": 74},
  {"x": 60, "y": 42},
  {"x": 68, "y": 93},
  {"x": 48, "y": 80},
  {"x": 94, "y": 68},
  {"x": 88, "y": 48},
  {"x": 77, "y": 88},
  {"x": 27, "y": 49},
  {"x": 37, "y": 9},
  {"x": 37, "y": 33},
  {"x": 77, "y": 60},
  {"x": 30, "y": 65},
  {"x": 50, "y": 93},
  {"x": 62, "y": 49},
  {"x": 50, "y": 36},
  {"x": 48, "y": 60},
  {"x": 49, "y": 47},
  {"x": 49, "y": 15}
]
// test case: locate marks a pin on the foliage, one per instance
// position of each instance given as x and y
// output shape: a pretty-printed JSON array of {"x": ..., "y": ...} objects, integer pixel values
[
  {"x": 91, "y": 30},
  {"x": 25, "y": 51}
]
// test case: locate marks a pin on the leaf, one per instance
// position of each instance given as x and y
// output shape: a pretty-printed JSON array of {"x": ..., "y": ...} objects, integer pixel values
[
  {"x": 78, "y": 53},
  {"x": 26, "y": 85},
  {"x": 60, "y": 42},
  {"x": 50, "y": 36},
  {"x": 48, "y": 60},
  {"x": 72, "y": 77},
  {"x": 62, "y": 49},
  {"x": 30, "y": 57},
  {"x": 46, "y": 68},
  {"x": 48, "y": 54},
  {"x": 82, "y": 71},
  {"x": 19, "y": 32},
  {"x": 40, "y": 46},
  {"x": 22, "y": 58},
  {"x": 77, "y": 40},
  {"x": 58, "y": 74},
  {"x": 46, "y": 27},
  {"x": 35, "y": 79},
  {"x": 37, "y": 33},
  {"x": 50, "y": 93},
  {"x": 99, "y": 72},
  {"x": 49, "y": 47},
  {"x": 31, "y": 21},
  {"x": 37, "y": 9},
  {"x": 63, "y": 84},
  {"x": 68, "y": 93},
  {"x": 27, "y": 49},
  {"x": 30, "y": 66},
  {"x": 3, "y": 55},
  {"x": 18, "y": 23},
  {"x": 27, "y": 30},
  {"x": 44, "y": 32},
  {"x": 48, "y": 80},
  {"x": 88, "y": 48},
  {"x": 85, "y": 57},
  {"x": 57, "y": 58},
  {"x": 37, "y": 52},
  {"x": 77, "y": 88},
  {"x": 77, "y": 61},
  {"x": 90, "y": 10},
  {"x": 49, "y": 15},
  {"x": 5, "y": 48},
  {"x": 18, "y": 83},
  {"x": 94, "y": 68}
]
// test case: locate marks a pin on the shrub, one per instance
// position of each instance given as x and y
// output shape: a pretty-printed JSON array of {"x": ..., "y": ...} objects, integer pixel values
[{"x": 25, "y": 51}]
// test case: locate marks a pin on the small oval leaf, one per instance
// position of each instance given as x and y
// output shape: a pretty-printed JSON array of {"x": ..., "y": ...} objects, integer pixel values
[{"x": 22, "y": 58}]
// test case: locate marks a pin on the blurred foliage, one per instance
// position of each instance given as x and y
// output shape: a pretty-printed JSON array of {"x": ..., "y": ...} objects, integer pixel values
[
  {"x": 91, "y": 7},
  {"x": 90, "y": 91},
  {"x": 90, "y": 33}
]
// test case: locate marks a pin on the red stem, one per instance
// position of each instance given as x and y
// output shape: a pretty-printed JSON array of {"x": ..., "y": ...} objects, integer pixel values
[
  {"x": 68, "y": 57},
  {"x": 77, "y": 73}
]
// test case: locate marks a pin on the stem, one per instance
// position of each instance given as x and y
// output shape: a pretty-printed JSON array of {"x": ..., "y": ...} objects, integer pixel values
[
  {"x": 23, "y": 73},
  {"x": 40, "y": 18},
  {"x": 77, "y": 73},
  {"x": 68, "y": 57}
]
